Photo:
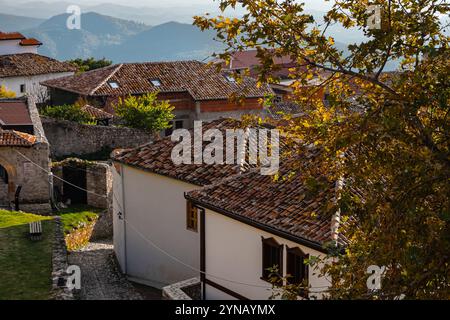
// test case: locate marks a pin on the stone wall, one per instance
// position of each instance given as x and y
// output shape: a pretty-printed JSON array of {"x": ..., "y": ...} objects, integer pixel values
[
  {"x": 35, "y": 193},
  {"x": 98, "y": 180},
  {"x": 28, "y": 167},
  {"x": 68, "y": 138},
  {"x": 60, "y": 291},
  {"x": 100, "y": 192},
  {"x": 184, "y": 290}
]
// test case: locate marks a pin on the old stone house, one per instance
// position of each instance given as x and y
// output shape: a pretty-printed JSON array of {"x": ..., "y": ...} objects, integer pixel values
[{"x": 24, "y": 157}]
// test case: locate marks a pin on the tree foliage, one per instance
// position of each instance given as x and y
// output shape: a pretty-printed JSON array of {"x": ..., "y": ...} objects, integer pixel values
[
  {"x": 72, "y": 112},
  {"x": 88, "y": 64},
  {"x": 5, "y": 93},
  {"x": 145, "y": 112},
  {"x": 385, "y": 134}
]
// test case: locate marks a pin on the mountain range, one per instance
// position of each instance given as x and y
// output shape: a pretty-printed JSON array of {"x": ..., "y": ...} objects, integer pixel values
[
  {"x": 124, "y": 33},
  {"x": 11, "y": 23}
]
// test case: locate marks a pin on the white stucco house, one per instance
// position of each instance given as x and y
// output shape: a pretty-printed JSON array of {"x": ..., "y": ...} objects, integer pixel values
[
  {"x": 156, "y": 241},
  {"x": 234, "y": 225},
  {"x": 22, "y": 69},
  {"x": 250, "y": 224},
  {"x": 15, "y": 42}
]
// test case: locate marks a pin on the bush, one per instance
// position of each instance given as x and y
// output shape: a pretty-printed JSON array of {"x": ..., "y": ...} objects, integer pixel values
[
  {"x": 88, "y": 64},
  {"x": 5, "y": 93},
  {"x": 67, "y": 112},
  {"x": 145, "y": 112}
]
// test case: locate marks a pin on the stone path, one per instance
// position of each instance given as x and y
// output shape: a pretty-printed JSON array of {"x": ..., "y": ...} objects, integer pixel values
[{"x": 100, "y": 279}]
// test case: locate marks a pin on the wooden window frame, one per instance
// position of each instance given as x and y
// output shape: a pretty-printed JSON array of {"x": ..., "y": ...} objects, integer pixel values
[
  {"x": 191, "y": 216},
  {"x": 275, "y": 245},
  {"x": 297, "y": 253}
]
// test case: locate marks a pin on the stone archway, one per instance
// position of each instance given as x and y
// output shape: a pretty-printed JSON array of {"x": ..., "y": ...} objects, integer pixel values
[{"x": 8, "y": 177}]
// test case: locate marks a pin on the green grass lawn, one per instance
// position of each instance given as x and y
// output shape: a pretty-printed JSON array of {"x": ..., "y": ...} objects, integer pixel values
[
  {"x": 25, "y": 265},
  {"x": 77, "y": 216}
]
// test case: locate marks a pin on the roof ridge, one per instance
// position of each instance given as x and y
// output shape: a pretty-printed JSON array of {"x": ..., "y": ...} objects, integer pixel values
[
  {"x": 161, "y": 62},
  {"x": 106, "y": 79}
]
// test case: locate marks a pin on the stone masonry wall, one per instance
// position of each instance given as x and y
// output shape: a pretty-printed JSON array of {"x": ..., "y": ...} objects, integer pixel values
[
  {"x": 35, "y": 193},
  {"x": 69, "y": 138}
]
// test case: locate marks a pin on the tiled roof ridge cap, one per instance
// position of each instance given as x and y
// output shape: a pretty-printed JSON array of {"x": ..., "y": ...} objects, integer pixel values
[
  {"x": 106, "y": 79},
  {"x": 161, "y": 62}
]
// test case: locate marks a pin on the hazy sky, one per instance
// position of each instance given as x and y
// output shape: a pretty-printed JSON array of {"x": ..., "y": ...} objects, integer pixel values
[{"x": 309, "y": 4}]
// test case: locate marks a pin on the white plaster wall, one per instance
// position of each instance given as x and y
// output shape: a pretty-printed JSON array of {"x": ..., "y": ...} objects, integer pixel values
[
  {"x": 234, "y": 252},
  {"x": 155, "y": 206},
  {"x": 118, "y": 224},
  {"x": 13, "y": 47},
  {"x": 32, "y": 86}
]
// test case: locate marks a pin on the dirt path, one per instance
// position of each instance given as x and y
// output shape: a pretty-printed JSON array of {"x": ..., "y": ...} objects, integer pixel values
[{"x": 100, "y": 280}]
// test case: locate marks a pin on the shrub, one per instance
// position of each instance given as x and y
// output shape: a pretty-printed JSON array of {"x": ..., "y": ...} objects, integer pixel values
[
  {"x": 145, "y": 112},
  {"x": 67, "y": 112},
  {"x": 5, "y": 93}
]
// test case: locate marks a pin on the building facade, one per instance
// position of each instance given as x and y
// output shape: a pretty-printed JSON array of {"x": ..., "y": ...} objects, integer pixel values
[{"x": 25, "y": 182}]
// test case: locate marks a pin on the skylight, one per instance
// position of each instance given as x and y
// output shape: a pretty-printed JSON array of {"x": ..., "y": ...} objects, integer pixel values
[
  {"x": 156, "y": 82},
  {"x": 113, "y": 84},
  {"x": 230, "y": 78}
]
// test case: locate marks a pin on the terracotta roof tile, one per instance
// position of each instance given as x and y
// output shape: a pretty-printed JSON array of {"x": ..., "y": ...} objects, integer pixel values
[
  {"x": 156, "y": 157},
  {"x": 28, "y": 64},
  {"x": 97, "y": 113},
  {"x": 14, "y": 112},
  {"x": 30, "y": 42},
  {"x": 284, "y": 205},
  {"x": 201, "y": 81},
  {"x": 12, "y": 138},
  {"x": 11, "y": 36},
  {"x": 280, "y": 109}
]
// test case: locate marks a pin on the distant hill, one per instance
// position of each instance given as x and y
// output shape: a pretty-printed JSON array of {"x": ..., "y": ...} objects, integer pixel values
[
  {"x": 36, "y": 9},
  {"x": 97, "y": 31},
  {"x": 168, "y": 41},
  {"x": 10, "y": 23}
]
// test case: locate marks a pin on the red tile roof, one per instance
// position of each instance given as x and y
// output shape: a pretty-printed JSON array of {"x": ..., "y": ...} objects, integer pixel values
[
  {"x": 11, "y": 138},
  {"x": 11, "y": 36},
  {"x": 280, "y": 109},
  {"x": 14, "y": 112},
  {"x": 285, "y": 206},
  {"x": 28, "y": 64},
  {"x": 248, "y": 59},
  {"x": 156, "y": 157},
  {"x": 97, "y": 113},
  {"x": 201, "y": 81},
  {"x": 30, "y": 42}
]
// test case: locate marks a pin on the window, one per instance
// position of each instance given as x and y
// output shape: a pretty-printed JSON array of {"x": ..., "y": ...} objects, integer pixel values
[
  {"x": 272, "y": 254},
  {"x": 113, "y": 84},
  {"x": 230, "y": 78},
  {"x": 296, "y": 269},
  {"x": 156, "y": 82},
  {"x": 178, "y": 124},
  {"x": 3, "y": 175},
  {"x": 191, "y": 216},
  {"x": 23, "y": 88}
]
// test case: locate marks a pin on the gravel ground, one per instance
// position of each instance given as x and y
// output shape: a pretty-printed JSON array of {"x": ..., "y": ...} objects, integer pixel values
[{"x": 100, "y": 278}]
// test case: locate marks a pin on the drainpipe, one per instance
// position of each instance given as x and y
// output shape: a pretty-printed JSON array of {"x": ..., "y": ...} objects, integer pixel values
[{"x": 122, "y": 178}]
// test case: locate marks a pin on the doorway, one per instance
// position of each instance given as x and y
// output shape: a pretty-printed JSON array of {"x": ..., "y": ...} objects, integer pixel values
[{"x": 74, "y": 176}]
